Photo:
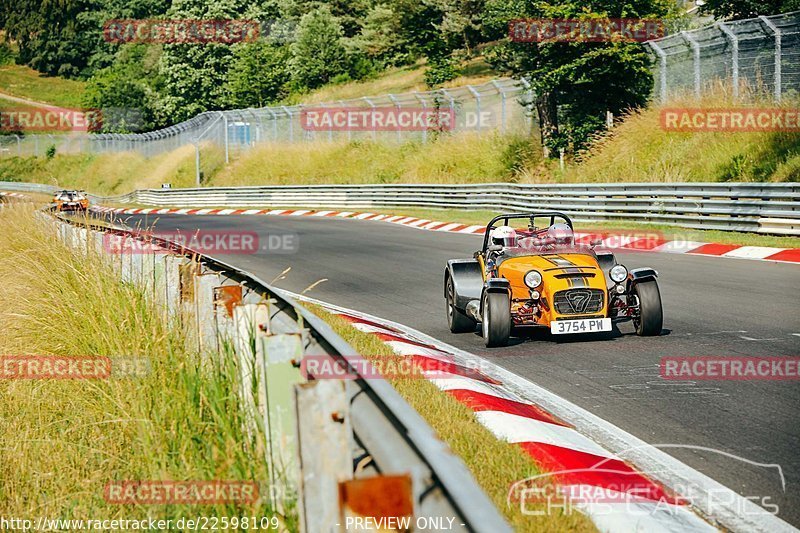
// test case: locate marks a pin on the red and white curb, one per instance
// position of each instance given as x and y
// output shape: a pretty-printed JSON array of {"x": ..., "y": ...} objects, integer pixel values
[
  {"x": 573, "y": 444},
  {"x": 14, "y": 195},
  {"x": 639, "y": 243}
]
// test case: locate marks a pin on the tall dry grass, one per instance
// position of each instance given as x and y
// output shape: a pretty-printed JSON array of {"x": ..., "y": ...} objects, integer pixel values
[{"x": 62, "y": 441}]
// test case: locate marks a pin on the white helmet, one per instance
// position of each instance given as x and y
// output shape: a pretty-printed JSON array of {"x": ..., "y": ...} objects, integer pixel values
[
  {"x": 561, "y": 234},
  {"x": 505, "y": 236}
]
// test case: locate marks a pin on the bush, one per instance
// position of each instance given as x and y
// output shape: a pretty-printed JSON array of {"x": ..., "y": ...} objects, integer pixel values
[{"x": 50, "y": 153}]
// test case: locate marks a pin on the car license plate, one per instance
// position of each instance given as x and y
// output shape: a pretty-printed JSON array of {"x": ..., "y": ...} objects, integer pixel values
[{"x": 585, "y": 325}]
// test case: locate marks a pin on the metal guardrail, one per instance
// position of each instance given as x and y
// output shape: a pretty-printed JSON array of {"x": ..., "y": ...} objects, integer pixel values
[
  {"x": 772, "y": 208},
  {"x": 384, "y": 427},
  {"x": 754, "y": 207}
]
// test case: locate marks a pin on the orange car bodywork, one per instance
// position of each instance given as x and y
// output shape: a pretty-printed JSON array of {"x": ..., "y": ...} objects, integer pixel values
[
  {"x": 64, "y": 204},
  {"x": 560, "y": 272}
]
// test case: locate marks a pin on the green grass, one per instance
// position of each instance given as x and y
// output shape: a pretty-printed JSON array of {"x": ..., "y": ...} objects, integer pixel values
[
  {"x": 24, "y": 82},
  {"x": 66, "y": 439},
  {"x": 496, "y": 465},
  {"x": 395, "y": 80},
  {"x": 639, "y": 150}
]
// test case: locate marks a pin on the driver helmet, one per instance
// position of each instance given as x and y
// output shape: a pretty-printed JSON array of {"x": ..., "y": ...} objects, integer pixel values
[
  {"x": 505, "y": 236},
  {"x": 561, "y": 234}
]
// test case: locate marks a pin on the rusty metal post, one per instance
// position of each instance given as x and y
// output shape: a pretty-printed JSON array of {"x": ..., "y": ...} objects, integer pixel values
[{"x": 325, "y": 456}]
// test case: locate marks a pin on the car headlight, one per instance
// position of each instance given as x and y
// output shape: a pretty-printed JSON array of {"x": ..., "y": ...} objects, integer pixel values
[
  {"x": 533, "y": 279},
  {"x": 618, "y": 273}
]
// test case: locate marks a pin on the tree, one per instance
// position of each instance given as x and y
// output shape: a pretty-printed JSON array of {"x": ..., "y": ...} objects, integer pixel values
[
  {"x": 195, "y": 75},
  {"x": 259, "y": 74},
  {"x": 318, "y": 53},
  {"x": 742, "y": 9},
  {"x": 127, "y": 92},
  {"x": 575, "y": 83}
]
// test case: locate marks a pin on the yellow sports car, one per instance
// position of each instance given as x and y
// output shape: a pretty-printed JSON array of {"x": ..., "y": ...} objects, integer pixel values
[{"x": 538, "y": 275}]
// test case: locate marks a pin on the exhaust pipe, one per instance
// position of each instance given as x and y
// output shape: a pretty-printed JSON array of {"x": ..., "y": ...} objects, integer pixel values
[{"x": 474, "y": 310}]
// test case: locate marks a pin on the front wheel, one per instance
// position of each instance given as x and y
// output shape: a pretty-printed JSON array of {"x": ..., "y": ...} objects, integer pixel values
[
  {"x": 457, "y": 321},
  {"x": 496, "y": 323},
  {"x": 651, "y": 314}
]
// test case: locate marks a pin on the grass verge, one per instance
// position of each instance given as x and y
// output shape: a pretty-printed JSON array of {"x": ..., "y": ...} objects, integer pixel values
[
  {"x": 24, "y": 82},
  {"x": 495, "y": 464},
  {"x": 63, "y": 440}
]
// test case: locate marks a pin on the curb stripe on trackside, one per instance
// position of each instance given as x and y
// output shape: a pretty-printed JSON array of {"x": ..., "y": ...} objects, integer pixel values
[{"x": 622, "y": 242}]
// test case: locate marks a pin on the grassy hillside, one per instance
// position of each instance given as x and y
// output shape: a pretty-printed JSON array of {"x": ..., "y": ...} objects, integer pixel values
[
  {"x": 24, "y": 82},
  {"x": 395, "y": 80},
  {"x": 636, "y": 150},
  {"x": 639, "y": 150}
]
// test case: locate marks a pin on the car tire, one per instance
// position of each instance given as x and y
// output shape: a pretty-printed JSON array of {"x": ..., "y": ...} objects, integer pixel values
[
  {"x": 496, "y": 323},
  {"x": 457, "y": 320},
  {"x": 651, "y": 314}
]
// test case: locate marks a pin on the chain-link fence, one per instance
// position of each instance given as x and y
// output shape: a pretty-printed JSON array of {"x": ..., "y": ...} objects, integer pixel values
[
  {"x": 755, "y": 55},
  {"x": 497, "y": 105},
  {"x": 759, "y": 56}
]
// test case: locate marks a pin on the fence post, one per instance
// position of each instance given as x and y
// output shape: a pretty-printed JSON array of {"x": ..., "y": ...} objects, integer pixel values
[
  {"x": 197, "y": 163},
  {"x": 734, "y": 56},
  {"x": 225, "y": 126},
  {"x": 696, "y": 50},
  {"x": 502, "y": 105},
  {"x": 477, "y": 97},
  {"x": 529, "y": 93},
  {"x": 291, "y": 124},
  {"x": 424, "y": 104},
  {"x": 777, "y": 78},
  {"x": 452, "y": 103},
  {"x": 372, "y": 106},
  {"x": 397, "y": 105}
]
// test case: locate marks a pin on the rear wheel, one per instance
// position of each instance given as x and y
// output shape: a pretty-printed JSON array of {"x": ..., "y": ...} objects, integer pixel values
[
  {"x": 651, "y": 315},
  {"x": 456, "y": 319},
  {"x": 496, "y": 323}
]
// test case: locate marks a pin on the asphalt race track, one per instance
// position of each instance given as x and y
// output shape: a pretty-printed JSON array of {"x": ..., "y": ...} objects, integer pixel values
[{"x": 712, "y": 306}]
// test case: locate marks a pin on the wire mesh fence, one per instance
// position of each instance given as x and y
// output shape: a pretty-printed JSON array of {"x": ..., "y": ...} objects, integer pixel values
[
  {"x": 754, "y": 57},
  {"x": 499, "y": 105},
  {"x": 760, "y": 55}
]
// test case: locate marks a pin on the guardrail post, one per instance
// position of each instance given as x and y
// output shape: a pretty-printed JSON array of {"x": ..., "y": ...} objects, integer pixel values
[
  {"x": 734, "y": 56},
  {"x": 777, "y": 78},
  {"x": 696, "y": 52},
  {"x": 204, "y": 311},
  {"x": 324, "y": 438},
  {"x": 171, "y": 289}
]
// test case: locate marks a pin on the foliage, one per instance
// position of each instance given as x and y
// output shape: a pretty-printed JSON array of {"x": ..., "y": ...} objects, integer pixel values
[
  {"x": 576, "y": 82},
  {"x": 742, "y": 9},
  {"x": 318, "y": 53}
]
